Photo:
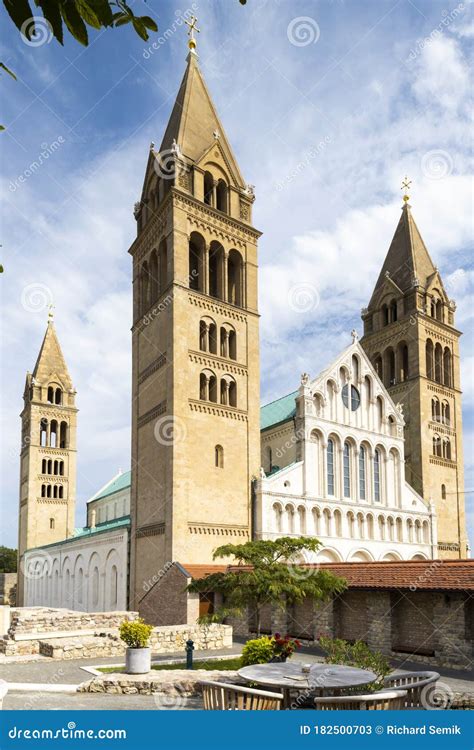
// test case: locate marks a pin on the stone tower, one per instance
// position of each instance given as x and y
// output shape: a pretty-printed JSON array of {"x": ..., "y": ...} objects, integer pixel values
[
  {"x": 48, "y": 453},
  {"x": 195, "y": 390},
  {"x": 410, "y": 336}
]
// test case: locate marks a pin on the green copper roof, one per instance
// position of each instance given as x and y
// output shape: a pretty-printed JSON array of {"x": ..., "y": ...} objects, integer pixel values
[
  {"x": 85, "y": 531},
  {"x": 278, "y": 411},
  {"x": 121, "y": 482}
]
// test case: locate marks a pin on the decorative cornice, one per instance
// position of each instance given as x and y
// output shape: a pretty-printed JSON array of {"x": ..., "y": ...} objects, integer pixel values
[
  {"x": 152, "y": 529},
  {"x": 214, "y": 220},
  {"x": 219, "y": 307},
  {"x": 208, "y": 360},
  {"x": 208, "y": 407},
  {"x": 157, "y": 364},
  {"x": 152, "y": 414},
  {"x": 197, "y": 527}
]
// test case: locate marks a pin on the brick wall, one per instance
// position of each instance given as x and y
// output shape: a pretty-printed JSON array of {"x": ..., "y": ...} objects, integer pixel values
[{"x": 166, "y": 602}]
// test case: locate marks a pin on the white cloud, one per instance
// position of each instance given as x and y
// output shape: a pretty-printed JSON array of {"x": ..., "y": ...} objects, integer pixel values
[{"x": 442, "y": 74}]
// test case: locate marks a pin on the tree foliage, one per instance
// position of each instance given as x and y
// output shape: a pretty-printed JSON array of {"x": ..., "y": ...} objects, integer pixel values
[
  {"x": 77, "y": 16},
  {"x": 8, "y": 560},
  {"x": 267, "y": 573}
]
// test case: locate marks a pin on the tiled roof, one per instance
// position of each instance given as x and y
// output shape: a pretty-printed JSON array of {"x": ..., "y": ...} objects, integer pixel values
[
  {"x": 120, "y": 482},
  {"x": 86, "y": 531},
  {"x": 278, "y": 411},
  {"x": 425, "y": 575}
]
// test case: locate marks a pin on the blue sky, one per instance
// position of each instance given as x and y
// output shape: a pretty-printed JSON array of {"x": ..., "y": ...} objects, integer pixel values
[{"x": 327, "y": 105}]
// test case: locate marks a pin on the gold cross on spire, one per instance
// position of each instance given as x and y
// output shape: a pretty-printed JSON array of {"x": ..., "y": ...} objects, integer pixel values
[
  {"x": 405, "y": 186},
  {"x": 192, "y": 28},
  {"x": 50, "y": 313}
]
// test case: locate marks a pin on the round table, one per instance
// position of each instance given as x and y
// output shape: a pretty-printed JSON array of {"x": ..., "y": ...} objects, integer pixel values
[{"x": 290, "y": 676}]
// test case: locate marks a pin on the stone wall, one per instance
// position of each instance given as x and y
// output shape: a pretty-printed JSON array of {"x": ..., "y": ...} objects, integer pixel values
[
  {"x": 8, "y": 584},
  {"x": 27, "y": 620},
  {"x": 172, "y": 638}
]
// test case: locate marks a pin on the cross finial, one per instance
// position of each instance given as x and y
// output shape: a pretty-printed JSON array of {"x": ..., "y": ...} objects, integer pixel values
[
  {"x": 50, "y": 313},
  {"x": 405, "y": 186},
  {"x": 192, "y": 28}
]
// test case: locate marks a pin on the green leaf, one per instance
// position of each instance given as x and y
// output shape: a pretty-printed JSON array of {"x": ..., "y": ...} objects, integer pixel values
[
  {"x": 52, "y": 14},
  {"x": 7, "y": 70},
  {"x": 102, "y": 10},
  {"x": 120, "y": 19},
  {"x": 88, "y": 14},
  {"x": 20, "y": 12},
  {"x": 2, "y": 127},
  {"x": 74, "y": 22},
  {"x": 149, "y": 23},
  {"x": 140, "y": 28}
]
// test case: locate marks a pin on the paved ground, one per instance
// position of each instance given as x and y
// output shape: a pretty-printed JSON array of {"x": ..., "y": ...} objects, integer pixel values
[{"x": 47, "y": 671}]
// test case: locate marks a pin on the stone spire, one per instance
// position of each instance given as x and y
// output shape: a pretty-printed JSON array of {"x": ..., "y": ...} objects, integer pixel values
[{"x": 51, "y": 360}]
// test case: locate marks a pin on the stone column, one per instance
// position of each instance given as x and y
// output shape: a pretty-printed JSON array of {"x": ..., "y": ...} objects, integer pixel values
[{"x": 225, "y": 290}]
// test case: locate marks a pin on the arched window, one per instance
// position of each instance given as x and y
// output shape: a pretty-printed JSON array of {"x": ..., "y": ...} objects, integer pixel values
[
  {"x": 355, "y": 369},
  {"x": 330, "y": 466},
  {"x": 50, "y": 397},
  {"x": 438, "y": 363},
  {"x": 228, "y": 342},
  {"x": 378, "y": 365},
  {"x": 437, "y": 446},
  {"x": 430, "y": 369},
  {"x": 216, "y": 270},
  {"x": 53, "y": 434},
  {"x": 232, "y": 344},
  {"x": 208, "y": 188},
  {"x": 389, "y": 367},
  {"x": 203, "y": 393},
  {"x": 370, "y": 526},
  {"x": 362, "y": 470},
  {"x": 48, "y": 490},
  {"x": 43, "y": 432},
  {"x": 377, "y": 475},
  {"x": 44, "y": 466},
  {"x": 203, "y": 335},
  {"x": 55, "y": 468},
  {"x": 52, "y": 523},
  {"x": 338, "y": 522},
  {"x": 277, "y": 515},
  {"x": 55, "y": 491},
  {"x": 351, "y": 524},
  {"x": 446, "y": 413},
  {"x": 43, "y": 490},
  {"x": 58, "y": 396},
  {"x": 399, "y": 527},
  {"x": 380, "y": 412},
  {"x": 163, "y": 263},
  {"x": 219, "y": 456},
  {"x": 234, "y": 276},
  {"x": 63, "y": 435},
  {"x": 213, "y": 389},
  {"x": 95, "y": 587},
  {"x": 443, "y": 492},
  {"x": 145, "y": 287},
  {"x": 153, "y": 281},
  {"x": 385, "y": 315},
  {"x": 269, "y": 458},
  {"x": 447, "y": 368},
  {"x": 61, "y": 468},
  {"x": 347, "y": 469},
  {"x": 232, "y": 393},
  {"x": 221, "y": 196},
  {"x": 403, "y": 360},
  {"x": 113, "y": 585},
  {"x": 50, "y": 466},
  {"x": 393, "y": 311},
  {"x": 212, "y": 332},
  {"x": 196, "y": 262},
  {"x": 61, "y": 492},
  {"x": 439, "y": 310},
  {"x": 447, "y": 448}
]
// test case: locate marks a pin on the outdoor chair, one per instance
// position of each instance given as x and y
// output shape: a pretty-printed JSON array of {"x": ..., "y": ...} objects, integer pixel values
[
  {"x": 3, "y": 692},
  {"x": 392, "y": 700},
  {"x": 219, "y": 696},
  {"x": 413, "y": 684}
]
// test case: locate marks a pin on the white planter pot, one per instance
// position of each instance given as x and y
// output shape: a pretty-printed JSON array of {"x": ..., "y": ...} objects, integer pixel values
[{"x": 137, "y": 660}]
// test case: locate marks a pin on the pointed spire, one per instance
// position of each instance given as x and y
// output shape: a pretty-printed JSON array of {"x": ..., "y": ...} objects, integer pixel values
[
  {"x": 194, "y": 122},
  {"x": 408, "y": 260},
  {"x": 50, "y": 359}
]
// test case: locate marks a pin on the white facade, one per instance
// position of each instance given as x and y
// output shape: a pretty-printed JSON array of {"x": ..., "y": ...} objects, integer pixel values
[
  {"x": 87, "y": 572},
  {"x": 340, "y": 471}
]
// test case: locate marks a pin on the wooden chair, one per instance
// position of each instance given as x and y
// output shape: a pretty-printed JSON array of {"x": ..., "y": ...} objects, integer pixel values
[
  {"x": 413, "y": 684},
  {"x": 392, "y": 700},
  {"x": 218, "y": 696}
]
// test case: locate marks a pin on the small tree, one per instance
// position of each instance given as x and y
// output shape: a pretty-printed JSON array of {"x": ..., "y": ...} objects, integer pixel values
[
  {"x": 8, "y": 560},
  {"x": 267, "y": 574}
]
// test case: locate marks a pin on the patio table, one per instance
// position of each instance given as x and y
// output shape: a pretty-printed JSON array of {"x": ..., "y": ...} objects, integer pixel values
[{"x": 288, "y": 676}]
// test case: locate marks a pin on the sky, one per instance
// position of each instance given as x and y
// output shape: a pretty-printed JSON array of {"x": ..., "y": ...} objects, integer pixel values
[{"x": 327, "y": 105}]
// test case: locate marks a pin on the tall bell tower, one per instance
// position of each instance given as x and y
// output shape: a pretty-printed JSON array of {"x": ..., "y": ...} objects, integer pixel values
[
  {"x": 410, "y": 336},
  {"x": 48, "y": 453},
  {"x": 195, "y": 383}
]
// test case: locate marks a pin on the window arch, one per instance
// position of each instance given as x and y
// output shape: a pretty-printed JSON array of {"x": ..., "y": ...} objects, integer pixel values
[
  {"x": 447, "y": 448},
  {"x": 44, "y": 466},
  {"x": 330, "y": 466},
  {"x": 234, "y": 278},
  {"x": 63, "y": 435},
  {"x": 347, "y": 469},
  {"x": 351, "y": 524},
  {"x": 208, "y": 188},
  {"x": 52, "y": 523},
  {"x": 377, "y": 476},
  {"x": 355, "y": 368},
  {"x": 53, "y": 434},
  {"x": 43, "y": 490},
  {"x": 208, "y": 335},
  {"x": 370, "y": 526},
  {"x": 446, "y": 413},
  {"x": 277, "y": 517},
  {"x": 435, "y": 410},
  {"x": 208, "y": 386},
  {"x": 61, "y": 492},
  {"x": 338, "y": 522},
  {"x": 228, "y": 341},
  {"x": 438, "y": 363},
  {"x": 389, "y": 367},
  {"x": 378, "y": 365},
  {"x": 447, "y": 367},
  {"x": 196, "y": 254},
  {"x": 393, "y": 311},
  {"x": 219, "y": 456},
  {"x": 362, "y": 473},
  {"x": 443, "y": 492},
  {"x": 437, "y": 450},
  {"x": 50, "y": 396},
  {"x": 228, "y": 389},
  {"x": 403, "y": 361},
  {"x": 153, "y": 280},
  {"x": 216, "y": 270},
  {"x": 43, "y": 432},
  {"x": 221, "y": 196},
  {"x": 430, "y": 369},
  {"x": 385, "y": 315}
]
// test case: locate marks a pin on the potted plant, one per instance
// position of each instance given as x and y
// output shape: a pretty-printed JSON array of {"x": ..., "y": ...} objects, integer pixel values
[
  {"x": 283, "y": 648},
  {"x": 136, "y": 634}
]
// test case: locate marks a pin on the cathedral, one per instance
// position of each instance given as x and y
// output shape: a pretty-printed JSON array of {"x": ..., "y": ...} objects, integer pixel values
[{"x": 365, "y": 454}]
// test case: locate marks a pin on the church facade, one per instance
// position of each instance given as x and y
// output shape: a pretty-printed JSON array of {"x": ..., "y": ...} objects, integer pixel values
[{"x": 366, "y": 456}]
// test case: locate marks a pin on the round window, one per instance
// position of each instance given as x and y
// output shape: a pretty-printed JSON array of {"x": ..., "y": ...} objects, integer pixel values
[{"x": 354, "y": 397}]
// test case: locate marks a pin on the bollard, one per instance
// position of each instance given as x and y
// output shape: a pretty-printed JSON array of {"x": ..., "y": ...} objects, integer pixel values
[{"x": 189, "y": 654}]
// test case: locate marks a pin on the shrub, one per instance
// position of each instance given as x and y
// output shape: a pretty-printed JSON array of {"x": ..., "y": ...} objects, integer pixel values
[
  {"x": 257, "y": 651},
  {"x": 356, "y": 654},
  {"x": 135, "y": 634}
]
